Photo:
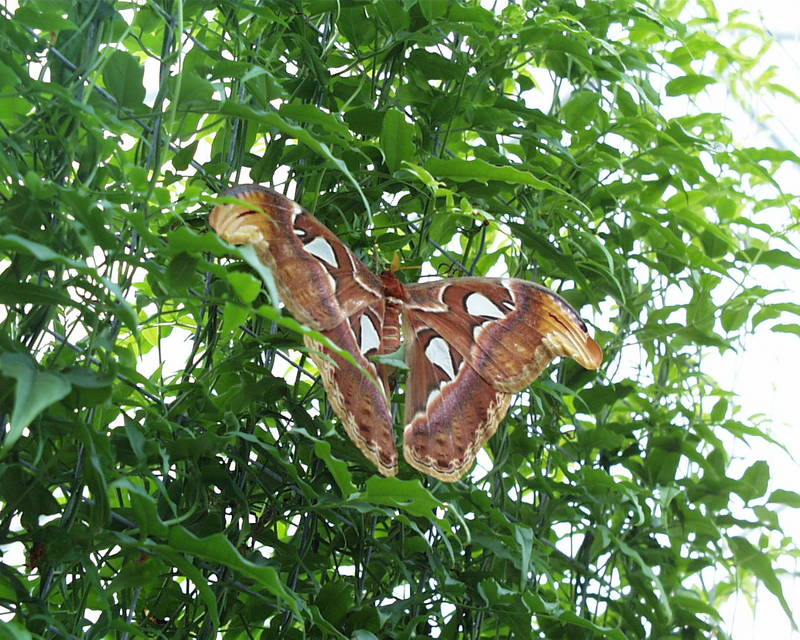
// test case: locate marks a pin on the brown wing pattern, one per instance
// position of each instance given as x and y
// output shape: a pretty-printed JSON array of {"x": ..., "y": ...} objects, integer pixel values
[
  {"x": 451, "y": 412},
  {"x": 324, "y": 286},
  {"x": 472, "y": 343},
  {"x": 507, "y": 329},
  {"x": 320, "y": 281},
  {"x": 361, "y": 405}
]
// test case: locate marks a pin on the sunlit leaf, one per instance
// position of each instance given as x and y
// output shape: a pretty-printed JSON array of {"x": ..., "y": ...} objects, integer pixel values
[{"x": 689, "y": 84}]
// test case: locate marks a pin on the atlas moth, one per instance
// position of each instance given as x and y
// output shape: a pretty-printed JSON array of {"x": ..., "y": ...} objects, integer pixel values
[{"x": 471, "y": 343}]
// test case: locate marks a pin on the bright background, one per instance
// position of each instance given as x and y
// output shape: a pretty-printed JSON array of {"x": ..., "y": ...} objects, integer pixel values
[{"x": 764, "y": 371}]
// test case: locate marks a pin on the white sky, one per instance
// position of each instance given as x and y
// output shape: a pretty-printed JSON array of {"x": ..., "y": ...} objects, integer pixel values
[{"x": 764, "y": 372}]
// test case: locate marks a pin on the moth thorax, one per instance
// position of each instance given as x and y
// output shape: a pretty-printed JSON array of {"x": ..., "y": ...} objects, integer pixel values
[{"x": 392, "y": 287}]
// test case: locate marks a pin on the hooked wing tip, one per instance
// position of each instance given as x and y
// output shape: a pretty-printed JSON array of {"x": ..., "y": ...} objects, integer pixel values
[
  {"x": 237, "y": 223},
  {"x": 592, "y": 356}
]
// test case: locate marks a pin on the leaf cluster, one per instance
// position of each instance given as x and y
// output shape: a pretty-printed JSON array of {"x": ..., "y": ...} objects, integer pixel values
[{"x": 169, "y": 464}]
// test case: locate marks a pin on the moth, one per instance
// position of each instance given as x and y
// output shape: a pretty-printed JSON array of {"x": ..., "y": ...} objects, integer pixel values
[{"x": 471, "y": 343}]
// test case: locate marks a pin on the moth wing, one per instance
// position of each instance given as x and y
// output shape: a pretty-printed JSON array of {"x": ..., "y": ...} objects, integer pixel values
[
  {"x": 359, "y": 399},
  {"x": 320, "y": 280},
  {"x": 507, "y": 329},
  {"x": 325, "y": 286},
  {"x": 451, "y": 411}
]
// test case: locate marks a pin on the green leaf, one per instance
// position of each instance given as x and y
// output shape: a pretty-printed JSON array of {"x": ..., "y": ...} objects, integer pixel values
[
  {"x": 433, "y": 9},
  {"x": 355, "y": 26},
  {"x": 246, "y": 285},
  {"x": 183, "y": 158},
  {"x": 397, "y": 139},
  {"x": 772, "y": 258},
  {"x": 787, "y": 328},
  {"x": 432, "y": 65},
  {"x": 396, "y": 359},
  {"x": 137, "y": 574},
  {"x": 760, "y": 565},
  {"x": 524, "y": 537},
  {"x": 570, "y": 617},
  {"x": 136, "y": 439},
  {"x": 184, "y": 239},
  {"x": 754, "y": 481},
  {"x": 310, "y": 114},
  {"x": 691, "y": 601},
  {"x": 338, "y": 468},
  {"x": 460, "y": 170},
  {"x": 217, "y": 548},
  {"x": 194, "y": 89},
  {"x": 420, "y": 174},
  {"x": 408, "y": 495},
  {"x": 324, "y": 624},
  {"x": 580, "y": 110},
  {"x": 688, "y": 84},
  {"x": 11, "y": 631},
  {"x": 782, "y": 496},
  {"x": 335, "y": 600},
  {"x": 35, "y": 18},
  {"x": 771, "y": 311},
  {"x": 12, "y": 293},
  {"x": 192, "y": 573},
  {"x": 181, "y": 270},
  {"x": 233, "y": 316},
  {"x": 86, "y": 378},
  {"x": 556, "y": 262},
  {"x": 275, "y": 121},
  {"x": 649, "y": 574},
  {"x": 393, "y": 14},
  {"x": 34, "y": 392},
  {"x": 143, "y": 508},
  {"x": 123, "y": 75},
  {"x": 41, "y": 252},
  {"x": 365, "y": 120}
]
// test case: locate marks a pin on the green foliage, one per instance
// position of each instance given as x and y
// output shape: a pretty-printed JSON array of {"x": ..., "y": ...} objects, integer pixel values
[{"x": 169, "y": 464}]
